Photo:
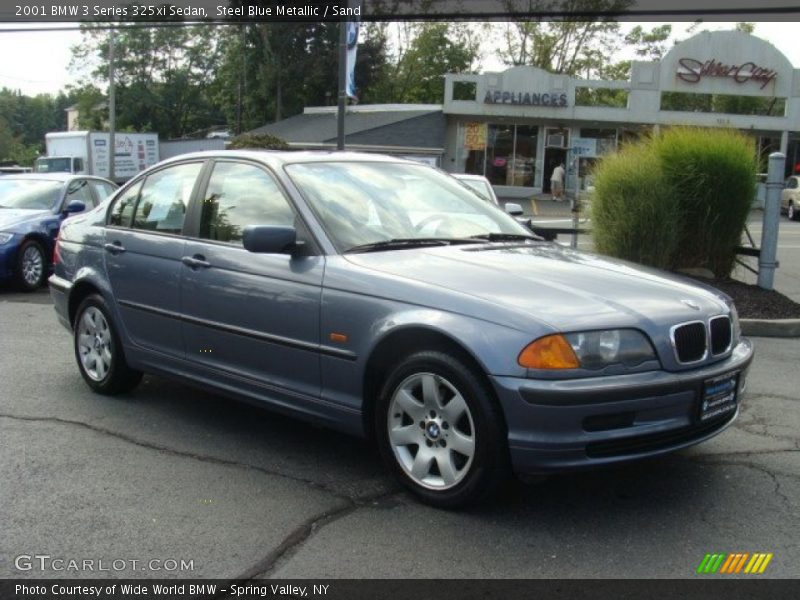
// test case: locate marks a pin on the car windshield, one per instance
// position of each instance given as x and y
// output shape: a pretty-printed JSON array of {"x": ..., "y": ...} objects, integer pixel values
[
  {"x": 36, "y": 194},
  {"x": 364, "y": 203},
  {"x": 53, "y": 165}
]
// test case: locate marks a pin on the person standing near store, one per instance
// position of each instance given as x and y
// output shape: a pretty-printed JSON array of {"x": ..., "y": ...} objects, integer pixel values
[{"x": 557, "y": 183}]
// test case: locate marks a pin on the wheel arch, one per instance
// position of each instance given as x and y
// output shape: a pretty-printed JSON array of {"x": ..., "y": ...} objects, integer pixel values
[
  {"x": 41, "y": 239},
  {"x": 79, "y": 292},
  {"x": 403, "y": 342}
]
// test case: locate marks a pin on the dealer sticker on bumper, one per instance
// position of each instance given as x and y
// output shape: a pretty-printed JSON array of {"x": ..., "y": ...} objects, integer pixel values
[{"x": 719, "y": 396}]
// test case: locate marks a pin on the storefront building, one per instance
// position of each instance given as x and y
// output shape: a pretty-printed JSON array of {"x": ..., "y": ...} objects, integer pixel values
[{"x": 514, "y": 127}]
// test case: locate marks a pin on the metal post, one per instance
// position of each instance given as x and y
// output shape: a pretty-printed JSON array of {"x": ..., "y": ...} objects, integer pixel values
[
  {"x": 767, "y": 262},
  {"x": 573, "y": 164},
  {"x": 112, "y": 109},
  {"x": 342, "y": 85}
]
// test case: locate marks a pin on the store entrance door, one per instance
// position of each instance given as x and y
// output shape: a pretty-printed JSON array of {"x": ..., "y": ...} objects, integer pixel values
[{"x": 552, "y": 158}]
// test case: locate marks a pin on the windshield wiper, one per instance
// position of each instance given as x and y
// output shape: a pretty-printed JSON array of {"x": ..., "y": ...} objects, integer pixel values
[
  {"x": 505, "y": 237},
  {"x": 402, "y": 243}
]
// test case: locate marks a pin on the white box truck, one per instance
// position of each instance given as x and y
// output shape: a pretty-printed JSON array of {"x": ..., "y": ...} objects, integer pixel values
[{"x": 87, "y": 152}]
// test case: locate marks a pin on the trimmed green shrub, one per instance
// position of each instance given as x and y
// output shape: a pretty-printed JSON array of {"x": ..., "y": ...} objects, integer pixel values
[
  {"x": 250, "y": 141},
  {"x": 678, "y": 200},
  {"x": 713, "y": 172},
  {"x": 635, "y": 214}
]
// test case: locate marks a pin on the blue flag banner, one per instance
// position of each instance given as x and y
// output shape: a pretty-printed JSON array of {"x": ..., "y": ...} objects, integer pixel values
[{"x": 352, "y": 46}]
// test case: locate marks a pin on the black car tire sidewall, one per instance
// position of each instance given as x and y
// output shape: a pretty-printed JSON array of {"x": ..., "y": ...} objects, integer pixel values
[{"x": 489, "y": 466}]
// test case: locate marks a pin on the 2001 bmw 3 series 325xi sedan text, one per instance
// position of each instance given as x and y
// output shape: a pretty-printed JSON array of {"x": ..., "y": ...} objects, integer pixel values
[{"x": 381, "y": 297}]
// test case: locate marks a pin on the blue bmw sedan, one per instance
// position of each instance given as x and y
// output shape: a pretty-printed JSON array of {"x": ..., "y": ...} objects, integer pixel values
[
  {"x": 32, "y": 207},
  {"x": 383, "y": 298}
]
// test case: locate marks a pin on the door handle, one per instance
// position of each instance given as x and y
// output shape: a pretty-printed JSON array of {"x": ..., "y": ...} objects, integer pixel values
[
  {"x": 198, "y": 261},
  {"x": 115, "y": 248}
]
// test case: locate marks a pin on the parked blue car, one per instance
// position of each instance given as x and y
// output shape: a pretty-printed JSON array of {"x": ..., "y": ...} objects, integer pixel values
[
  {"x": 383, "y": 298},
  {"x": 32, "y": 208}
]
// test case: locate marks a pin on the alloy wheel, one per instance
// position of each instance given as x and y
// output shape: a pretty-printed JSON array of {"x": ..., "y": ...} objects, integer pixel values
[
  {"x": 94, "y": 344},
  {"x": 32, "y": 265},
  {"x": 431, "y": 431}
]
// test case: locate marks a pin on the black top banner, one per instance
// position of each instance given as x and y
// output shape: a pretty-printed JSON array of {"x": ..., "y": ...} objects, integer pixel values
[{"x": 232, "y": 11}]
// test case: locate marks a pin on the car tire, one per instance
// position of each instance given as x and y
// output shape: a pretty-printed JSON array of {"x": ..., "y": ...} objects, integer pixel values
[
  {"x": 440, "y": 432},
  {"x": 98, "y": 350},
  {"x": 31, "y": 266},
  {"x": 791, "y": 212}
]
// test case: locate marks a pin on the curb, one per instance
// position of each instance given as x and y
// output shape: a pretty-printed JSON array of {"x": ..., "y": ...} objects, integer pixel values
[{"x": 777, "y": 328}]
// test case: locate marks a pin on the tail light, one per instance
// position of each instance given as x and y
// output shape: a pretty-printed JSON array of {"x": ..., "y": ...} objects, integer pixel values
[{"x": 56, "y": 251}]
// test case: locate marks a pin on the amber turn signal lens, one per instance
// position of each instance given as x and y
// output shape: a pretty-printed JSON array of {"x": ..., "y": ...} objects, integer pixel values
[{"x": 549, "y": 352}]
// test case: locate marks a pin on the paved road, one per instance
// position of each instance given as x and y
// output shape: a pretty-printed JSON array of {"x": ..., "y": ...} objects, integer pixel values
[{"x": 170, "y": 473}]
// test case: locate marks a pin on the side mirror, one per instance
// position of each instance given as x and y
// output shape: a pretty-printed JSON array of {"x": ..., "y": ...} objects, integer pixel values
[
  {"x": 75, "y": 206},
  {"x": 270, "y": 239},
  {"x": 514, "y": 209}
]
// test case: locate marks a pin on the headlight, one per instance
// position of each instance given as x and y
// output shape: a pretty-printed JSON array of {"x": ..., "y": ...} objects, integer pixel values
[
  {"x": 736, "y": 328},
  {"x": 5, "y": 237},
  {"x": 591, "y": 350}
]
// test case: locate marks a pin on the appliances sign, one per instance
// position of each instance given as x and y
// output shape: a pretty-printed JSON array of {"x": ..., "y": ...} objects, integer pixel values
[{"x": 526, "y": 99}]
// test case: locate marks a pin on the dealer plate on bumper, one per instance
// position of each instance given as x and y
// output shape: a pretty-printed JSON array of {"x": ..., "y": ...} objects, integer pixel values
[{"x": 719, "y": 396}]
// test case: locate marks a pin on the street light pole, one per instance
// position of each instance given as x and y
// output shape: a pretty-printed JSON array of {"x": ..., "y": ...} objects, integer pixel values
[
  {"x": 342, "y": 85},
  {"x": 112, "y": 108}
]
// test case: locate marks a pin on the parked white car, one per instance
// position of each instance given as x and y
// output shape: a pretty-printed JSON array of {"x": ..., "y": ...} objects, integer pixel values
[
  {"x": 478, "y": 184},
  {"x": 790, "y": 198}
]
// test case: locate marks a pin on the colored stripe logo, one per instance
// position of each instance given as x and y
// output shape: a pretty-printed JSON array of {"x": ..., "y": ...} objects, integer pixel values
[{"x": 735, "y": 563}]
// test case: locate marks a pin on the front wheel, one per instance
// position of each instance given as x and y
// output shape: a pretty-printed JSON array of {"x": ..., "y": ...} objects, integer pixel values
[
  {"x": 99, "y": 351},
  {"x": 31, "y": 266},
  {"x": 440, "y": 432}
]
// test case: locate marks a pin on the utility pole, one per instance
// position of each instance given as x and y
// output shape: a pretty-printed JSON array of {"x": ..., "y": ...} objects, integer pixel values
[
  {"x": 112, "y": 108},
  {"x": 342, "y": 85}
]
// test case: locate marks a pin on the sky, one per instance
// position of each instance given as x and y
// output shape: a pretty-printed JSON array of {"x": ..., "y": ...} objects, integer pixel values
[{"x": 38, "y": 62}]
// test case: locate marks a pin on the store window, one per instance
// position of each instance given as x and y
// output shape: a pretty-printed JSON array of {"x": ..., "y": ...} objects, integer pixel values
[{"x": 504, "y": 153}]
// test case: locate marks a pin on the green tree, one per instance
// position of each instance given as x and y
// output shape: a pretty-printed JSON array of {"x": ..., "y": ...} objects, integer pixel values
[
  {"x": 425, "y": 53},
  {"x": 26, "y": 119},
  {"x": 573, "y": 46},
  {"x": 270, "y": 71},
  {"x": 652, "y": 44},
  {"x": 163, "y": 75}
]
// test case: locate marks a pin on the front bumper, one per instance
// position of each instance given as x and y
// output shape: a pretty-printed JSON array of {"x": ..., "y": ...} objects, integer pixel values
[
  {"x": 8, "y": 259},
  {"x": 576, "y": 423}
]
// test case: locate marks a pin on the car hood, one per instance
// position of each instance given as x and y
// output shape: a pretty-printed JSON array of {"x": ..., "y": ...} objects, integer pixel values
[
  {"x": 13, "y": 217},
  {"x": 566, "y": 289}
]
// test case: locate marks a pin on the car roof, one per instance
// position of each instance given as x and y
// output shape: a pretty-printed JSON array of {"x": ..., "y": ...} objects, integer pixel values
[
  {"x": 276, "y": 158},
  {"x": 62, "y": 177}
]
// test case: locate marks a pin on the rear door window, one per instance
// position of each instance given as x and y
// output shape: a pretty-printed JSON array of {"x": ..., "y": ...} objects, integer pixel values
[
  {"x": 164, "y": 198},
  {"x": 122, "y": 211}
]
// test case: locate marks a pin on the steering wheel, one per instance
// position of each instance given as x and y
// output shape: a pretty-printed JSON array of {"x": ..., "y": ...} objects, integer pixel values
[{"x": 430, "y": 219}]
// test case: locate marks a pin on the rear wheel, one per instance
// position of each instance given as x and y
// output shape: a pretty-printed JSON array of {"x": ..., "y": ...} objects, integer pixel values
[
  {"x": 440, "y": 431},
  {"x": 31, "y": 266},
  {"x": 99, "y": 351}
]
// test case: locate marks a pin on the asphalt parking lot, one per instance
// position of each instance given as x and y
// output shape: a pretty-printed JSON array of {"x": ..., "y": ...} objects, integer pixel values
[{"x": 168, "y": 473}]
